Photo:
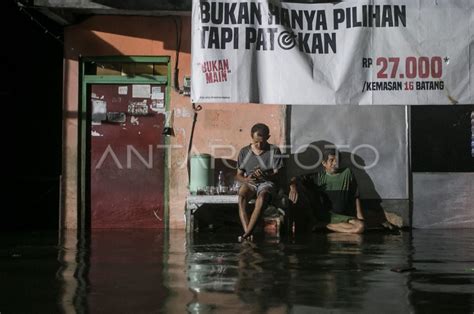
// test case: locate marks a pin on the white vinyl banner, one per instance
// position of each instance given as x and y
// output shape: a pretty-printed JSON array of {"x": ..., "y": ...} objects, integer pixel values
[{"x": 368, "y": 52}]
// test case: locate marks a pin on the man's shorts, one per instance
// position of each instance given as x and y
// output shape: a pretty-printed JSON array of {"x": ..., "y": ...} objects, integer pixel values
[{"x": 268, "y": 186}]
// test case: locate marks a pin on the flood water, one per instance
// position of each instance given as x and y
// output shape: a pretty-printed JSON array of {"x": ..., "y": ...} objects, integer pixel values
[{"x": 147, "y": 271}]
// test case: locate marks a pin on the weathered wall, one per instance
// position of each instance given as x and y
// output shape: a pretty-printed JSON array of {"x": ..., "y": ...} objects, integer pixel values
[
  {"x": 443, "y": 200},
  {"x": 217, "y": 124},
  {"x": 380, "y": 129},
  {"x": 372, "y": 141}
]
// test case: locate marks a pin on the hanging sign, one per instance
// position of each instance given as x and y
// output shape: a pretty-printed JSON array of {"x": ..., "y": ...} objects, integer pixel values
[{"x": 352, "y": 52}]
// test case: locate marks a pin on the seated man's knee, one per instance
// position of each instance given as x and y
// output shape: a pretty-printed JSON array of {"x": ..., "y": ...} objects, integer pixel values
[
  {"x": 332, "y": 227},
  {"x": 245, "y": 191}
]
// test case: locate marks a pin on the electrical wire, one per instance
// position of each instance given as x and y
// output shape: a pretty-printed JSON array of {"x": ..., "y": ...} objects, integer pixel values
[{"x": 179, "y": 26}]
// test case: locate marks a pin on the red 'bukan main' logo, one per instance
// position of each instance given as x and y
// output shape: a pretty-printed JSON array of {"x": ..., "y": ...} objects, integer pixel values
[{"x": 216, "y": 70}]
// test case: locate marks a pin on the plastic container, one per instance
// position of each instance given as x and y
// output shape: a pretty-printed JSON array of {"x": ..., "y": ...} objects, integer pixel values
[{"x": 201, "y": 173}]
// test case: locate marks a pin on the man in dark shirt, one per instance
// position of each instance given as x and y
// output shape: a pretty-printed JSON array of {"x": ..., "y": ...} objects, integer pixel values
[
  {"x": 336, "y": 192},
  {"x": 257, "y": 171}
]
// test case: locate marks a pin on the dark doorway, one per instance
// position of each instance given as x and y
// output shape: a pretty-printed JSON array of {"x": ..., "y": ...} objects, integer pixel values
[
  {"x": 31, "y": 91},
  {"x": 441, "y": 138}
]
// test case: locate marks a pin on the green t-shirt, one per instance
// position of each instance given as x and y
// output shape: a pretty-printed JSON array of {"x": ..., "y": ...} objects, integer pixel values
[{"x": 338, "y": 191}]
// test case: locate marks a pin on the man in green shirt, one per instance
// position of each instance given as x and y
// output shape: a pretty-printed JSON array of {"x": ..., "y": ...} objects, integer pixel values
[{"x": 333, "y": 195}]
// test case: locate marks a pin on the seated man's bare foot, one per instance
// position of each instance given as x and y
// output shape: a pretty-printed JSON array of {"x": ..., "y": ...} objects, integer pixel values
[{"x": 246, "y": 236}]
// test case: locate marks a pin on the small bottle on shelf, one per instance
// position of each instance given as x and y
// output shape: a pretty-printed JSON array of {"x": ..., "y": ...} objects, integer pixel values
[{"x": 221, "y": 183}]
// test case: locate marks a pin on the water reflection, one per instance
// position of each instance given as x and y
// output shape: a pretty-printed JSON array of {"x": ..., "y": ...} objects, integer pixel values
[
  {"x": 73, "y": 297},
  {"x": 113, "y": 271},
  {"x": 444, "y": 280},
  {"x": 327, "y": 272},
  {"x": 147, "y": 271},
  {"x": 262, "y": 277},
  {"x": 319, "y": 272},
  {"x": 28, "y": 272}
]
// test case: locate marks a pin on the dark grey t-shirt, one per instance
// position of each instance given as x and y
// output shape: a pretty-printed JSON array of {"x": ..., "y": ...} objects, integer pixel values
[{"x": 268, "y": 160}]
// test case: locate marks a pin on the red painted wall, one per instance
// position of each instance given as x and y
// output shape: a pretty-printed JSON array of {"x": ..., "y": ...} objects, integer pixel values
[{"x": 221, "y": 129}]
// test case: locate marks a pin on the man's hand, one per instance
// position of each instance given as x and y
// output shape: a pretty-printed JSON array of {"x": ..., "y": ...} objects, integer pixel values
[
  {"x": 293, "y": 195},
  {"x": 258, "y": 173},
  {"x": 241, "y": 177},
  {"x": 250, "y": 179}
]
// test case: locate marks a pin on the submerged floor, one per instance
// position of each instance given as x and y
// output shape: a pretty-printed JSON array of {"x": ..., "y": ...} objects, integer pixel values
[{"x": 146, "y": 271}]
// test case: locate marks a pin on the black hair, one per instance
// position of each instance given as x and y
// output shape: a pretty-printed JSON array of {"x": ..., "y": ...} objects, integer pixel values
[
  {"x": 260, "y": 128},
  {"x": 328, "y": 152}
]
